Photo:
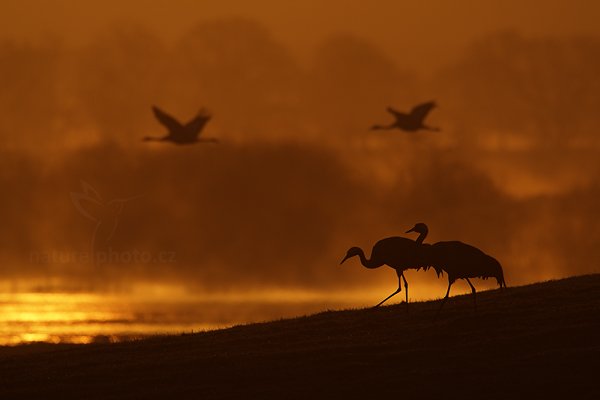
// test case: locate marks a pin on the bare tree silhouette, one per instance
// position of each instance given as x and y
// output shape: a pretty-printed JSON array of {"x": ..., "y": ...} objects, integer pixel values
[
  {"x": 462, "y": 261},
  {"x": 396, "y": 252},
  {"x": 412, "y": 121},
  {"x": 181, "y": 134}
]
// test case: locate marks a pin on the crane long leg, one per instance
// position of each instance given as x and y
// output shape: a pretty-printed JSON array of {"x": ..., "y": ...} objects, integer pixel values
[
  {"x": 400, "y": 275},
  {"x": 406, "y": 289},
  {"x": 445, "y": 298},
  {"x": 474, "y": 293},
  {"x": 390, "y": 296}
]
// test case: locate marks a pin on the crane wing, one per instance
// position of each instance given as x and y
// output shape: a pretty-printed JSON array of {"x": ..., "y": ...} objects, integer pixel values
[
  {"x": 420, "y": 112},
  {"x": 195, "y": 126},
  {"x": 395, "y": 113},
  {"x": 168, "y": 121}
]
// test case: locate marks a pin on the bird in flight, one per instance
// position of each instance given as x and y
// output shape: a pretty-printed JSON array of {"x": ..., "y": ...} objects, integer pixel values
[
  {"x": 411, "y": 122},
  {"x": 179, "y": 133}
]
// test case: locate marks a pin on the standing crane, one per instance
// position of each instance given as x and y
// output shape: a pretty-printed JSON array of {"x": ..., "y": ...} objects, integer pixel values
[
  {"x": 463, "y": 261},
  {"x": 396, "y": 252}
]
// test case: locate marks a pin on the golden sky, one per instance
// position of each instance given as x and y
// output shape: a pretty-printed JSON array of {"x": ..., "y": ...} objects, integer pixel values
[
  {"x": 298, "y": 177},
  {"x": 416, "y": 34}
]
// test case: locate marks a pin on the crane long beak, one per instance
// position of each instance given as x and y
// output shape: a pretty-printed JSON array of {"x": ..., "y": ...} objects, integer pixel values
[
  {"x": 410, "y": 230},
  {"x": 345, "y": 258}
]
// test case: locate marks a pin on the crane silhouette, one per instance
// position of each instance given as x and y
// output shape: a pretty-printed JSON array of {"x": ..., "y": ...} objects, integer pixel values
[
  {"x": 396, "y": 252},
  {"x": 181, "y": 134},
  {"x": 463, "y": 261},
  {"x": 411, "y": 122}
]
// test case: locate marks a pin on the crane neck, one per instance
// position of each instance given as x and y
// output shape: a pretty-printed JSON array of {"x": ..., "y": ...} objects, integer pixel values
[
  {"x": 368, "y": 263},
  {"x": 422, "y": 237}
]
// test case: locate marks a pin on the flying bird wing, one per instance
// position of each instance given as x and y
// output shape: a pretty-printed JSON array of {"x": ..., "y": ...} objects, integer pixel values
[
  {"x": 420, "y": 112},
  {"x": 195, "y": 126},
  {"x": 395, "y": 112},
  {"x": 171, "y": 123}
]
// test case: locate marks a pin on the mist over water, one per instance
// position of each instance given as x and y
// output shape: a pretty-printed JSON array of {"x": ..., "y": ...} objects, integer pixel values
[{"x": 297, "y": 178}]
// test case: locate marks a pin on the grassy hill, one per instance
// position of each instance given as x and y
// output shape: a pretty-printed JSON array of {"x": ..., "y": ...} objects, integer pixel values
[{"x": 539, "y": 341}]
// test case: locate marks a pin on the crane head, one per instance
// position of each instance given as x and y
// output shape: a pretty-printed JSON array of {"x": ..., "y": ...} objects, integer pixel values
[
  {"x": 419, "y": 228},
  {"x": 496, "y": 271},
  {"x": 353, "y": 251}
]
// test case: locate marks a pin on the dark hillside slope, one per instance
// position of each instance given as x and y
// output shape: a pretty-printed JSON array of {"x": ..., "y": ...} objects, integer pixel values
[{"x": 539, "y": 341}]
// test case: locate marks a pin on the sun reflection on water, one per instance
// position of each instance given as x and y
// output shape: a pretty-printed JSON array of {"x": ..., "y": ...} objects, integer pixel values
[
  {"x": 85, "y": 318},
  {"x": 149, "y": 310}
]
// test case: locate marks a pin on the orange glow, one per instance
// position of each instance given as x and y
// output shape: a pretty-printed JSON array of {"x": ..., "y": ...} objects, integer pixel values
[
  {"x": 106, "y": 236},
  {"x": 81, "y": 318},
  {"x": 156, "y": 309}
]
